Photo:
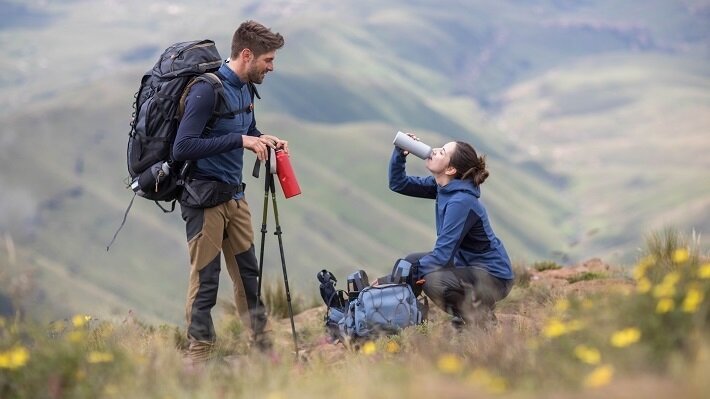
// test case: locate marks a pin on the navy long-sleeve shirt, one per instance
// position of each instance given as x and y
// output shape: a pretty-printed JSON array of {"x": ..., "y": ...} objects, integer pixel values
[
  {"x": 464, "y": 236},
  {"x": 218, "y": 154}
]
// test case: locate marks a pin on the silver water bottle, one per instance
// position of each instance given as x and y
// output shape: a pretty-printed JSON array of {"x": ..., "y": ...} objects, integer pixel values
[{"x": 407, "y": 143}]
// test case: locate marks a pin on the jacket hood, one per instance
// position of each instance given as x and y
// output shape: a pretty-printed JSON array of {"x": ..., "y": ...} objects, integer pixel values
[{"x": 457, "y": 185}]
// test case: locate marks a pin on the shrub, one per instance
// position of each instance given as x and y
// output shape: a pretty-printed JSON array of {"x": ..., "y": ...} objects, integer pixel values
[
  {"x": 586, "y": 276},
  {"x": 276, "y": 302},
  {"x": 546, "y": 265}
]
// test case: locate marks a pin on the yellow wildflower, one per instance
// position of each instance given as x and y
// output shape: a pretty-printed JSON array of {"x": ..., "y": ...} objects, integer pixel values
[
  {"x": 587, "y": 354},
  {"x": 680, "y": 255},
  {"x": 392, "y": 347},
  {"x": 599, "y": 377},
  {"x": 663, "y": 291},
  {"x": 555, "y": 328},
  {"x": 643, "y": 265},
  {"x": 692, "y": 300},
  {"x": 625, "y": 337},
  {"x": 639, "y": 272},
  {"x": 80, "y": 320},
  {"x": 369, "y": 348},
  {"x": 671, "y": 278},
  {"x": 665, "y": 305},
  {"x": 667, "y": 286},
  {"x": 99, "y": 357},
  {"x": 14, "y": 358},
  {"x": 275, "y": 395},
  {"x": 704, "y": 271},
  {"x": 450, "y": 364},
  {"x": 2, "y": 322},
  {"x": 644, "y": 285}
]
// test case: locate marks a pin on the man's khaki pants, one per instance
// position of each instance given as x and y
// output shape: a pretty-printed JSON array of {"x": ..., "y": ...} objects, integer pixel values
[{"x": 225, "y": 228}]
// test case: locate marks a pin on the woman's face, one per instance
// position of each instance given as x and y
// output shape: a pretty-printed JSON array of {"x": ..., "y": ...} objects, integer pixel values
[{"x": 440, "y": 158}]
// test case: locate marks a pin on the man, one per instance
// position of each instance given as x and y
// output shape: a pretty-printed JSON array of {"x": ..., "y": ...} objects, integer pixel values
[{"x": 217, "y": 152}]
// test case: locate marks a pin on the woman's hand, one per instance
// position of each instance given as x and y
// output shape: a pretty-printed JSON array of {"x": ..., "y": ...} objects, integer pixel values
[{"x": 404, "y": 152}]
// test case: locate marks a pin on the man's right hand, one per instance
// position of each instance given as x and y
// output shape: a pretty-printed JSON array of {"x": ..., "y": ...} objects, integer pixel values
[{"x": 256, "y": 146}]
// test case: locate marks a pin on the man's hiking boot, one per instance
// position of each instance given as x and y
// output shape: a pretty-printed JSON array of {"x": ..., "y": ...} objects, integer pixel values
[
  {"x": 200, "y": 352},
  {"x": 458, "y": 323},
  {"x": 263, "y": 342}
]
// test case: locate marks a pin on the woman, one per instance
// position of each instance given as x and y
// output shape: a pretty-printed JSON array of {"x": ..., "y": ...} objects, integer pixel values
[{"x": 469, "y": 269}]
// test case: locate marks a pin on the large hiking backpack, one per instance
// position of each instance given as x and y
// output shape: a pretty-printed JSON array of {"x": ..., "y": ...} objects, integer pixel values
[
  {"x": 159, "y": 104},
  {"x": 365, "y": 311},
  {"x": 158, "y": 108}
]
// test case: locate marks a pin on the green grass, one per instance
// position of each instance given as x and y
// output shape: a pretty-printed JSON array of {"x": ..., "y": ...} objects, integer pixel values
[
  {"x": 587, "y": 276},
  {"x": 546, "y": 265}
]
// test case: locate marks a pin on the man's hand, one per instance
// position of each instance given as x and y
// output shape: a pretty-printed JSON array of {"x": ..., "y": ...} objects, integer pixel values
[
  {"x": 256, "y": 145},
  {"x": 274, "y": 142}
]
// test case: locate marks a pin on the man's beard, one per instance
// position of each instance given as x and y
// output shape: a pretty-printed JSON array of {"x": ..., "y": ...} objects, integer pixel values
[{"x": 255, "y": 76}]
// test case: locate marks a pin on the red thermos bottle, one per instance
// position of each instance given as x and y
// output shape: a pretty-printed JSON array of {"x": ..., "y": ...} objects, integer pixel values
[{"x": 287, "y": 177}]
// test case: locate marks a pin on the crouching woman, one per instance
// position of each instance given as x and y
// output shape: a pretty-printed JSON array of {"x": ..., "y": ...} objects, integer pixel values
[{"x": 468, "y": 270}]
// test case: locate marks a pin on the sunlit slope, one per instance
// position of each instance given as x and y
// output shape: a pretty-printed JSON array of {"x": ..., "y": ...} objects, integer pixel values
[{"x": 631, "y": 133}]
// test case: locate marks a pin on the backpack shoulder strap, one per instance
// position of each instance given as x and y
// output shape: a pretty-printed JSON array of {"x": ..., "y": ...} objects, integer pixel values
[
  {"x": 229, "y": 113},
  {"x": 217, "y": 87},
  {"x": 219, "y": 102}
]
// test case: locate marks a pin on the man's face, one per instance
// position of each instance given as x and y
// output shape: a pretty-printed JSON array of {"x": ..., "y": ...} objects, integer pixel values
[
  {"x": 259, "y": 66},
  {"x": 440, "y": 158}
]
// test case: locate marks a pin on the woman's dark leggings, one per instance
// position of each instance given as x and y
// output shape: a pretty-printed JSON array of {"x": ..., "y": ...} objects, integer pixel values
[{"x": 466, "y": 292}]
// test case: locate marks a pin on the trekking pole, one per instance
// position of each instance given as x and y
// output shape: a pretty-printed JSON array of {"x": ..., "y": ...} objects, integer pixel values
[
  {"x": 283, "y": 260},
  {"x": 255, "y": 173}
]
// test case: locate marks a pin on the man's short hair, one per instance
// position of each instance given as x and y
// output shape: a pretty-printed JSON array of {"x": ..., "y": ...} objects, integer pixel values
[{"x": 256, "y": 37}]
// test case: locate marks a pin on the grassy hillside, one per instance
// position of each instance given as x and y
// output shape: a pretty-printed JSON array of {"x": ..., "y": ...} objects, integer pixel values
[
  {"x": 634, "y": 131},
  {"x": 585, "y": 331},
  {"x": 556, "y": 94}
]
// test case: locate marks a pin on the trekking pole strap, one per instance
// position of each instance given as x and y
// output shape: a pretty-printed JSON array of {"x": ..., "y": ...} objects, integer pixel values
[{"x": 125, "y": 215}]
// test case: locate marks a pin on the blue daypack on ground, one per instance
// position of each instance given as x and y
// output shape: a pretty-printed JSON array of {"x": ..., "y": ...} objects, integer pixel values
[{"x": 366, "y": 311}]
